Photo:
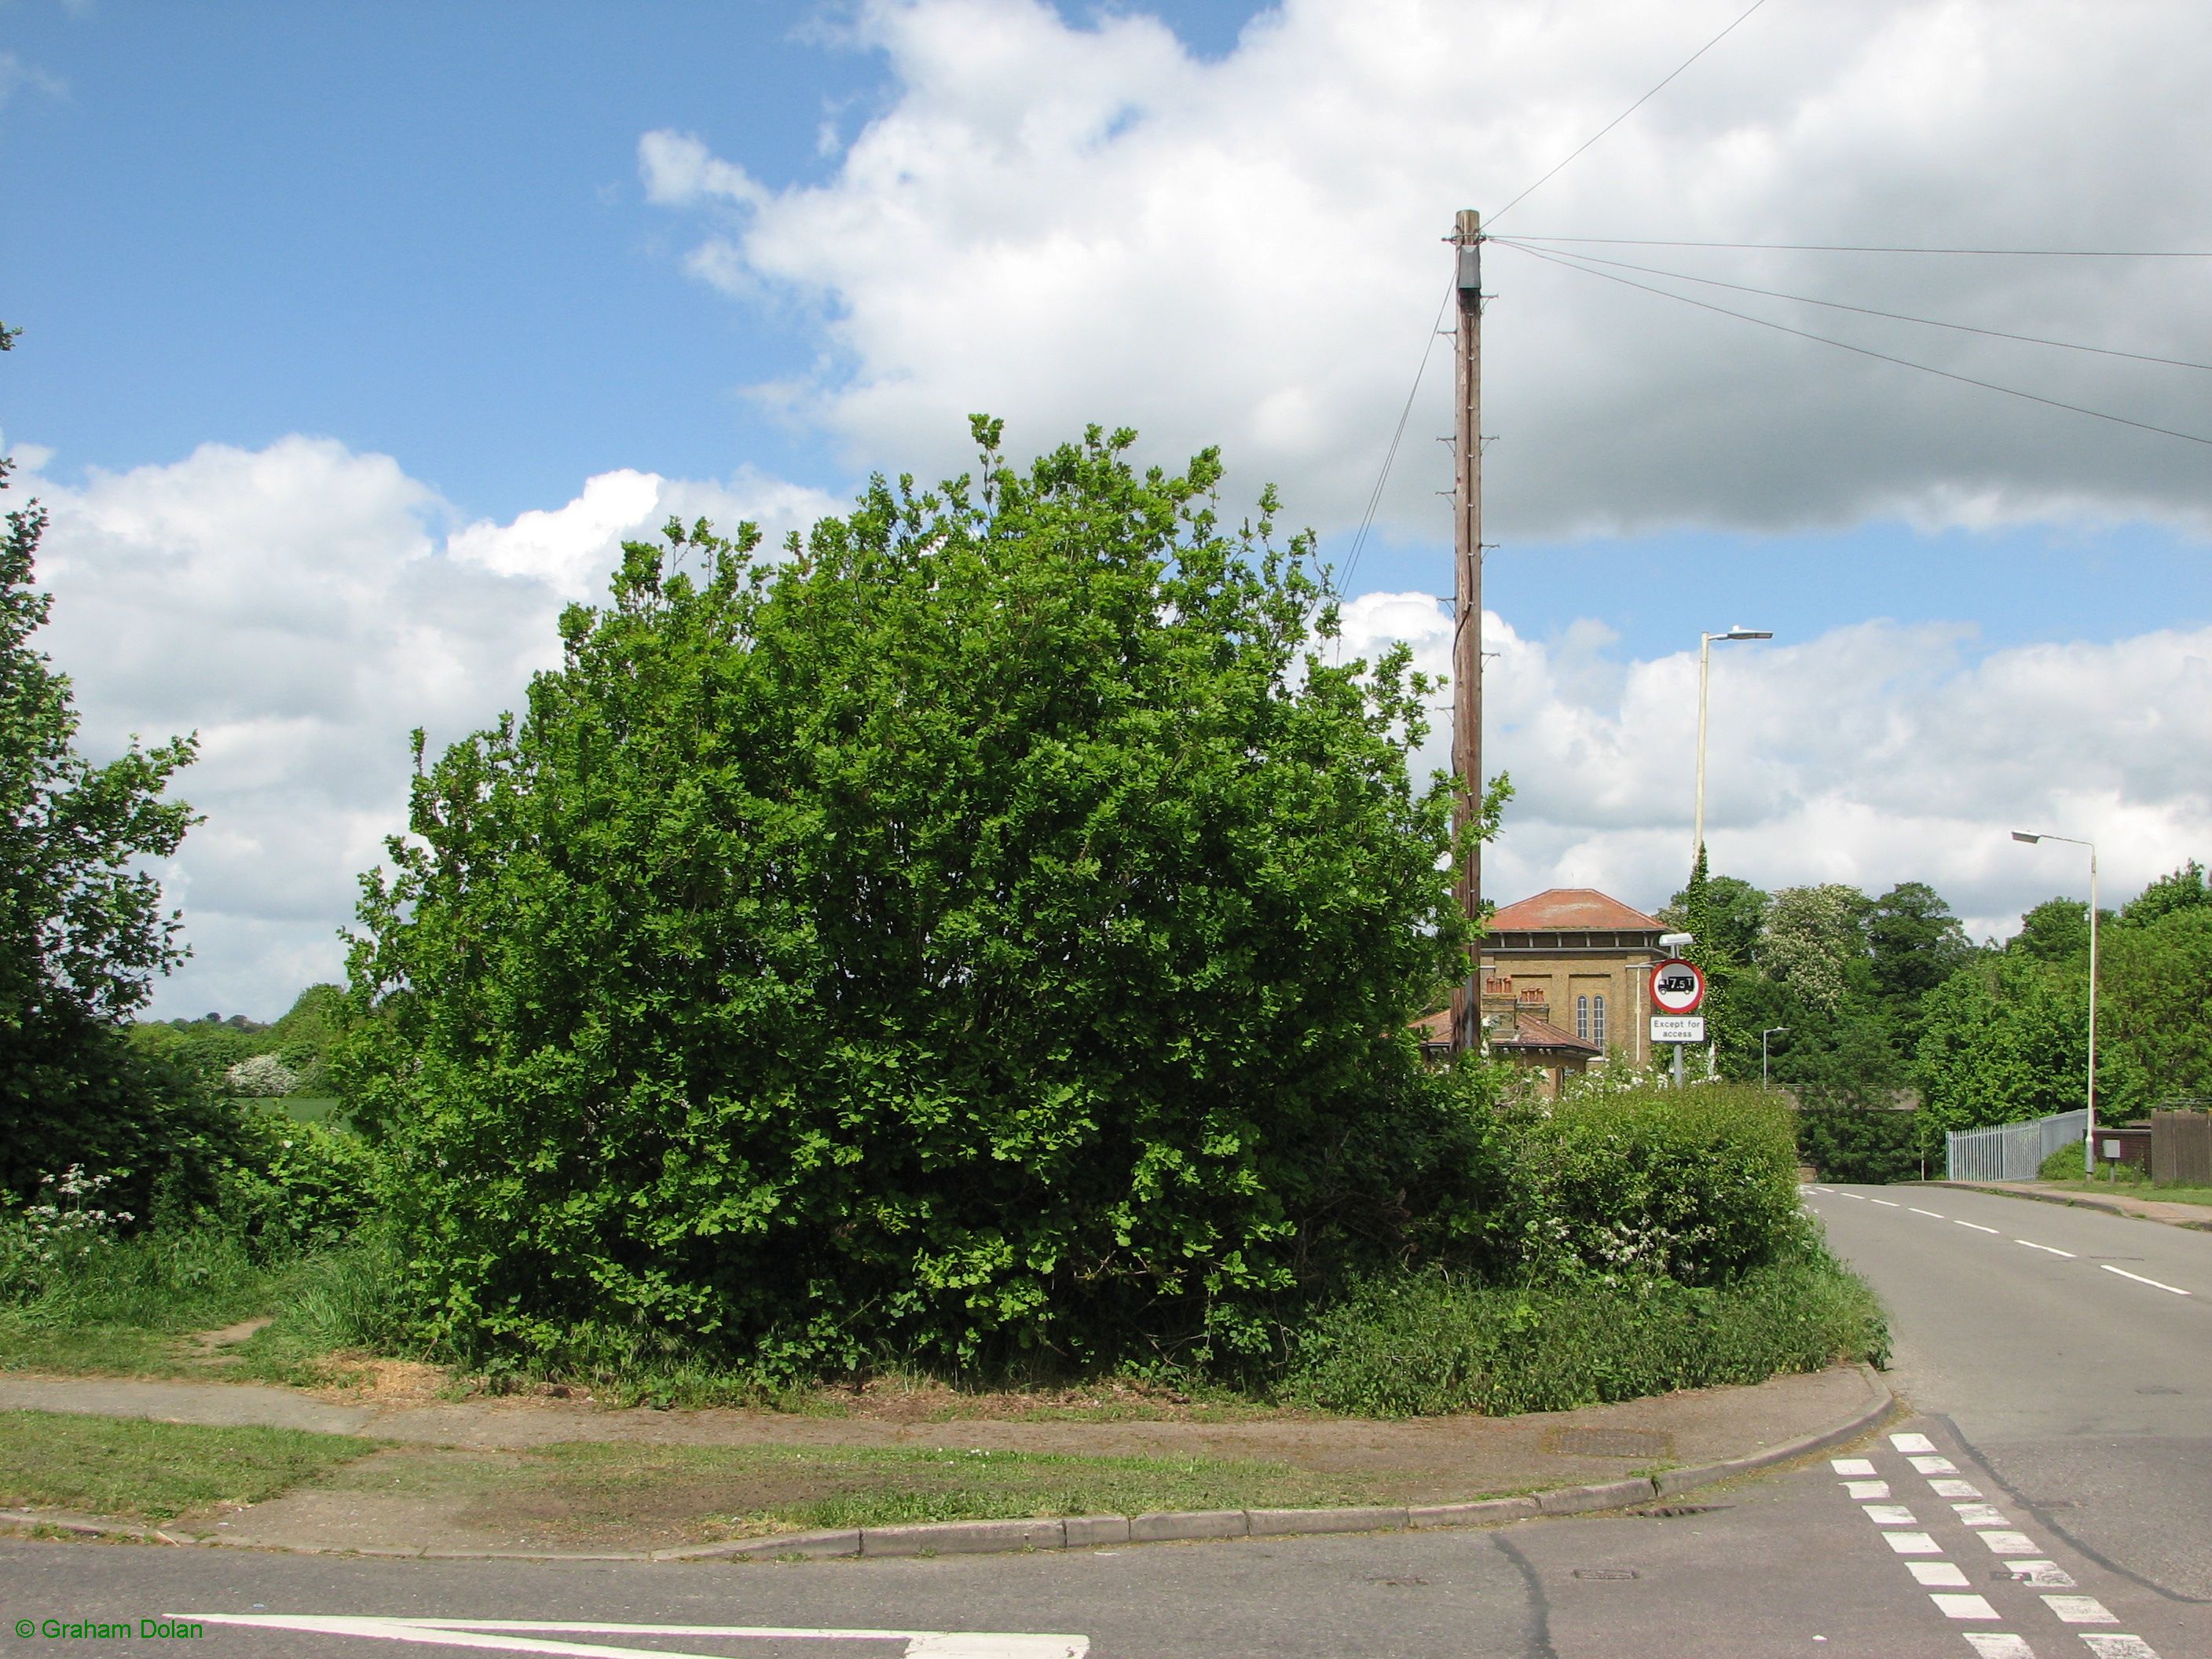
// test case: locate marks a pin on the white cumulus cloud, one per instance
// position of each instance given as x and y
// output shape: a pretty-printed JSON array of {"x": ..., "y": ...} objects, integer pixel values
[
  {"x": 1064, "y": 222},
  {"x": 302, "y": 608}
]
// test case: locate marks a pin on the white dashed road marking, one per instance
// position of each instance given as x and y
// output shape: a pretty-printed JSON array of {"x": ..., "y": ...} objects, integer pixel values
[
  {"x": 2080, "y": 1610},
  {"x": 1932, "y": 1214},
  {"x": 1943, "y": 1574},
  {"x": 1964, "y": 1606},
  {"x": 2140, "y": 1279},
  {"x": 1976, "y": 1226},
  {"x": 2117, "y": 1647},
  {"x": 2048, "y": 1249},
  {"x": 1949, "y": 1588},
  {"x": 1885, "y": 1204}
]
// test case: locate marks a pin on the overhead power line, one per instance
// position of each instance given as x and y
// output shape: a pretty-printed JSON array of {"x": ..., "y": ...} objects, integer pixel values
[
  {"x": 1390, "y": 454},
  {"x": 1870, "y": 311},
  {"x": 1572, "y": 263},
  {"x": 1624, "y": 114},
  {"x": 1876, "y": 247}
]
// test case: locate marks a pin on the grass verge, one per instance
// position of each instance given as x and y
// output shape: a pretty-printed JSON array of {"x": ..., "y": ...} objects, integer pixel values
[
  {"x": 153, "y": 1471},
  {"x": 1421, "y": 1344},
  {"x": 2176, "y": 1194},
  {"x": 640, "y": 1492}
]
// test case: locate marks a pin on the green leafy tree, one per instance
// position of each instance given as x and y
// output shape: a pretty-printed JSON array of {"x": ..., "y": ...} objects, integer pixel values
[
  {"x": 83, "y": 934},
  {"x": 992, "y": 930},
  {"x": 2184, "y": 889},
  {"x": 2057, "y": 930},
  {"x": 1814, "y": 943},
  {"x": 2002, "y": 1040},
  {"x": 1723, "y": 915},
  {"x": 1914, "y": 944},
  {"x": 2154, "y": 1010}
]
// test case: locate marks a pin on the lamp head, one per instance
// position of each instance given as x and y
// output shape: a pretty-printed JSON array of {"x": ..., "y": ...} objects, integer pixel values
[
  {"x": 1748, "y": 634},
  {"x": 2022, "y": 836}
]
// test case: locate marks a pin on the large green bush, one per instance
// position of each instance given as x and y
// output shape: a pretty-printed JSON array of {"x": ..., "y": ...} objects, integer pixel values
[
  {"x": 993, "y": 929},
  {"x": 1691, "y": 1184}
]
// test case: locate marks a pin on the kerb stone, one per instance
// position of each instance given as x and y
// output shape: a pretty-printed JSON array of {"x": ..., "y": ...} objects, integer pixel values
[
  {"x": 1188, "y": 1523},
  {"x": 964, "y": 1537},
  {"x": 1606, "y": 1495},
  {"x": 1267, "y": 1522}
]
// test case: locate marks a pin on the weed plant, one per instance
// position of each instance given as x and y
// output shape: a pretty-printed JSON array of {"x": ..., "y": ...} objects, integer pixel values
[{"x": 1422, "y": 1343}]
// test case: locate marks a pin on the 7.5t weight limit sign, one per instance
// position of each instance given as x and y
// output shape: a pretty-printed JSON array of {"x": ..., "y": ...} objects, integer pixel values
[{"x": 1678, "y": 990}]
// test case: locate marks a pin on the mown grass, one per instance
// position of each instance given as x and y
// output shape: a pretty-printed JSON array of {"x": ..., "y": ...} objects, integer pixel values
[
  {"x": 589, "y": 1487},
  {"x": 153, "y": 1471},
  {"x": 1422, "y": 1344}
]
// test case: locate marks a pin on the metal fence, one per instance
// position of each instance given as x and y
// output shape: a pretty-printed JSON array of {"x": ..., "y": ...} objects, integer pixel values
[{"x": 2010, "y": 1151}]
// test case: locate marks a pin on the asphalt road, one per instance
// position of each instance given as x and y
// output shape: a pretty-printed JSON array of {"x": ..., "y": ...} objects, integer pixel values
[
  {"x": 2030, "y": 1327},
  {"x": 1992, "y": 1538}
]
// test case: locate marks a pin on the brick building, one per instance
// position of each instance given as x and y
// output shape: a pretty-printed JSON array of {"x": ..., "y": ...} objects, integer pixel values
[{"x": 1565, "y": 981}]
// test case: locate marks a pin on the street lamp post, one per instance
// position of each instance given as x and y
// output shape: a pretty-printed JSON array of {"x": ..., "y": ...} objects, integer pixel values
[
  {"x": 1763, "y": 1035},
  {"x": 1705, "y": 676},
  {"x": 2089, "y": 1097}
]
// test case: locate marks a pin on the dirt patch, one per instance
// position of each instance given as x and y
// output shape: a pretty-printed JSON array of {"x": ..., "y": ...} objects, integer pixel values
[
  {"x": 361, "y": 1378},
  {"x": 210, "y": 1348},
  {"x": 910, "y": 1400}
]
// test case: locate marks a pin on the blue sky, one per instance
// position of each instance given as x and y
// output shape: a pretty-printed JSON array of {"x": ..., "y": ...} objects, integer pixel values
[{"x": 334, "y": 311}]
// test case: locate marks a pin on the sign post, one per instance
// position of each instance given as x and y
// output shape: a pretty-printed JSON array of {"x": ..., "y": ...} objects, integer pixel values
[{"x": 1677, "y": 991}]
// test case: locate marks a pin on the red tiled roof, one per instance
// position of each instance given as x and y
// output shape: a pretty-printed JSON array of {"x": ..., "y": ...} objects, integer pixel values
[
  {"x": 1435, "y": 1028},
  {"x": 1530, "y": 1032},
  {"x": 1572, "y": 910}
]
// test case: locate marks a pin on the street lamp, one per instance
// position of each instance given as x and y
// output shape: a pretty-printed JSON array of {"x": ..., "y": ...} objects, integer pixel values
[
  {"x": 1705, "y": 676},
  {"x": 1763, "y": 1035},
  {"x": 2089, "y": 1127}
]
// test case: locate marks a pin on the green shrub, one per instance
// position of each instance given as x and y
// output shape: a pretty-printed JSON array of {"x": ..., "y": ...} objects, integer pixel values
[
  {"x": 989, "y": 935},
  {"x": 1423, "y": 1343},
  {"x": 1859, "y": 1144},
  {"x": 1691, "y": 1184},
  {"x": 297, "y": 1185}
]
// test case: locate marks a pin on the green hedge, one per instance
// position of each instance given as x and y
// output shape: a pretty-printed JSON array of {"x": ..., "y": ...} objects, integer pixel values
[{"x": 1689, "y": 1184}]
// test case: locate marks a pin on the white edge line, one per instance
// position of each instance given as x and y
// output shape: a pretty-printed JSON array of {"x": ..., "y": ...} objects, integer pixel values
[
  {"x": 515, "y": 1635},
  {"x": 2175, "y": 1290},
  {"x": 1976, "y": 1226},
  {"x": 2049, "y": 1250}
]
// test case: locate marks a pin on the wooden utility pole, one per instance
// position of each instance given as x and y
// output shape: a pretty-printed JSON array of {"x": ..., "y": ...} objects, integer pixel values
[{"x": 1467, "y": 611}]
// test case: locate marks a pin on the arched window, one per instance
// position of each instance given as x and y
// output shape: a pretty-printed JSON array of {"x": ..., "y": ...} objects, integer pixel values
[
  {"x": 1582, "y": 1017},
  {"x": 1597, "y": 1020}
]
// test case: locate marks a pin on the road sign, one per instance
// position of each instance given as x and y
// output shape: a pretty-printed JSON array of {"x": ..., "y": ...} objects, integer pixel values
[
  {"x": 1678, "y": 1028},
  {"x": 1677, "y": 987}
]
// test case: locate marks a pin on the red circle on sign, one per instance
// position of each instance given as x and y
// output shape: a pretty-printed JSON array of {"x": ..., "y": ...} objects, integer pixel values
[{"x": 1678, "y": 986}]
